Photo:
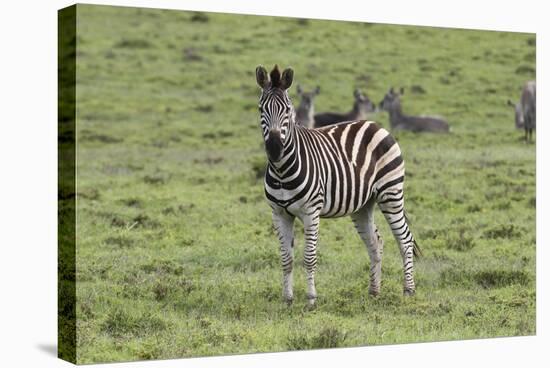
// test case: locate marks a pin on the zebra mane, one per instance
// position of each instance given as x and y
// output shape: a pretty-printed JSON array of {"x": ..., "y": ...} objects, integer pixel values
[
  {"x": 275, "y": 76},
  {"x": 280, "y": 80}
]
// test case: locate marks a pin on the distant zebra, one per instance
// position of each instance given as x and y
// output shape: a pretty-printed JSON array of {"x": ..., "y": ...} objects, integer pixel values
[
  {"x": 342, "y": 169},
  {"x": 306, "y": 109},
  {"x": 362, "y": 107}
]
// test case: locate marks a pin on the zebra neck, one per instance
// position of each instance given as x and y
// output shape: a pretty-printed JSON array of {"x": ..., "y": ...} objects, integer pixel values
[{"x": 290, "y": 152}]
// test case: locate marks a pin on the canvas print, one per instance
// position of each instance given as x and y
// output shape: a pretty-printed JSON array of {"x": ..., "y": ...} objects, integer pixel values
[{"x": 233, "y": 184}]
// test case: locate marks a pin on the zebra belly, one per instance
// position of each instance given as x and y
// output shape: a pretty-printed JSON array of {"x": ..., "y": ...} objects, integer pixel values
[
  {"x": 358, "y": 191},
  {"x": 327, "y": 212}
]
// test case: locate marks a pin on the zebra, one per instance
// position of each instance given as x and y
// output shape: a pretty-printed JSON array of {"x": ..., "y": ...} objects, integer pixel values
[
  {"x": 362, "y": 108},
  {"x": 306, "y": 110},
  {"x": 342, "y": 169}
]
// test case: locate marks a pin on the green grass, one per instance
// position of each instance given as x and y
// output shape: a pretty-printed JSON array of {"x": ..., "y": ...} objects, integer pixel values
[{"x": 176, "y": 256}]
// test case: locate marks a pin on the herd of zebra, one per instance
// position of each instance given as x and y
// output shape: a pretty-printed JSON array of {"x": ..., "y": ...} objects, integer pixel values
[{"x": 332, "y": 165}]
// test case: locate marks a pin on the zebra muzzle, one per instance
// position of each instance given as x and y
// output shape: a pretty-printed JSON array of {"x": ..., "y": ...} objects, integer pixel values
[{"x": 274, "y": 145}]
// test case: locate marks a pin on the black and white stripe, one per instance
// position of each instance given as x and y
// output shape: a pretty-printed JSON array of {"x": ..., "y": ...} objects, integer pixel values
[{"x": 339, "y": 170}]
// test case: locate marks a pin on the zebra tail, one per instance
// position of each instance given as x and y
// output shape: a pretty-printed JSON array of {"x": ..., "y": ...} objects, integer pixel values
[{"x": 417, "y": 252}]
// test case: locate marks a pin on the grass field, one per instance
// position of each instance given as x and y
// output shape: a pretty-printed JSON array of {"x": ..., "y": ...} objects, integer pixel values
[{"x": 176, "y": 256}]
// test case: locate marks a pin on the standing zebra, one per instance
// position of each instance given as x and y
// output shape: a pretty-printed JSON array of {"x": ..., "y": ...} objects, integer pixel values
[{"x": 338, "y": 170}]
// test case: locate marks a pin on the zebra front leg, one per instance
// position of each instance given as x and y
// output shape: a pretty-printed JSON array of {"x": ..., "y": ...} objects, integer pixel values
[
  {"x": 284, "y": 226},
  {"x": 392, "y": 206},
  {"x": 364, "y": 224},
  {"x": 311, "y": 233}
]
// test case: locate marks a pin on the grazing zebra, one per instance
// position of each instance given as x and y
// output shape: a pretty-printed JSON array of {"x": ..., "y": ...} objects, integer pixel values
[
  {"x": 306, "y": 110},
  {"x": 342, "y": 169},
  {"x": 399, "y": 121},
  {"x": 362, "y": 107}
]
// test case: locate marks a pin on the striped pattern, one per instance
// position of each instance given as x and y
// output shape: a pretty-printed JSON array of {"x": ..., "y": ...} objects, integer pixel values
[{"x": 339, "y": 170}]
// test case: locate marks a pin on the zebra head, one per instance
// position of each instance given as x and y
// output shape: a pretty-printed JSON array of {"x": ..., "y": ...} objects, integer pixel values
[{"x": 276, "y": 110}]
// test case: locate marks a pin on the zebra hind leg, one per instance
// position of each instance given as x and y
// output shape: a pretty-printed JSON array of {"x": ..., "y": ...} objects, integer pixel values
[
  {"x": 284, "y": 226},
  {"x": 364, "y": 224},
  {"x": 391, "y": 204}
]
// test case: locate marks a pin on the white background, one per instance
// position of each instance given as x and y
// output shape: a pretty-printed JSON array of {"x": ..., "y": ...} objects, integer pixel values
[{"x": 28, "y": 180}]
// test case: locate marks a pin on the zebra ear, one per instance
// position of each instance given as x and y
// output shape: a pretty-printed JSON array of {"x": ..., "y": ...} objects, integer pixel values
[
  {"x": 317, "y": 90},
  {"x": 357, "y": 93},
  {"x": 286, "y": 79},
  {"x": 391, "y": 91},
  {"x": 262, "y": 77},
  {"x": 299, "y": 89}
]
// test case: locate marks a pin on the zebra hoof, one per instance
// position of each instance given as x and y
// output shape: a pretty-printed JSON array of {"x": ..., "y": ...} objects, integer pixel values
[
  {"x": 311, "y": 301},
  {"x": 310, "y": 305},
  {"x": 409, "y": 292},
  {"x": 374, "y": 293},
  {"x": 289, "y": 301}
]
